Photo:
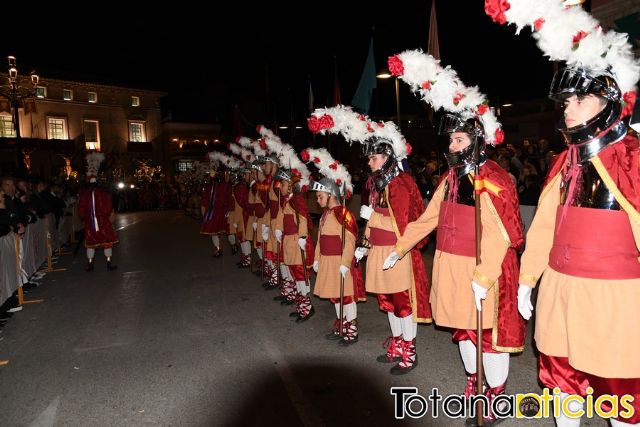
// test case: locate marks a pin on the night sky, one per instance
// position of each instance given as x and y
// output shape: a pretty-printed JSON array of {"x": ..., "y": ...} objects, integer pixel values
[{"x": 209, "y": 62}]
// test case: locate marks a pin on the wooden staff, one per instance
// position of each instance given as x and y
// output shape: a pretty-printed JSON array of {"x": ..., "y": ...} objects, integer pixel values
[
  {"x": 344, "y": 220},
  {"x": 478, "y": 222},
  {"x": 279, "y": 274}
]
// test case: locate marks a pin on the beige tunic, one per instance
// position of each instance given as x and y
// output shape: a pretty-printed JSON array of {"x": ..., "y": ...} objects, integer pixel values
[
  {"x": 248, "y": 232},
  {"x": 290, "y": 248},
  {"x": 271, "y": 243},
  {"x": 328, "y": 280},
  {"x": 396, "y": 279},
  {"x": 452, "y": 298},
  {"x": 603, "y": 341}
]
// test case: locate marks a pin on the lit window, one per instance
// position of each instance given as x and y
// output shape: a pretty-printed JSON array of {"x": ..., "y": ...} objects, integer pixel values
[
  {"x": 92, "y": 135},
  {"x": 135, "y": 101},
  {"x": 6, "y": 127},
  {"x": 136, "y": 132},
  {"x": 92, "y": 97},
  {"x": 184, "y": 165},
  {"x": 57, "y": 128},
  {"x": 67, "y": 94},
  {"x": 41, "y": 92}
]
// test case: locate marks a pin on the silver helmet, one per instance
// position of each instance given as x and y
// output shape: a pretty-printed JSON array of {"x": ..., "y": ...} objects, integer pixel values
[
  {"x": 463, "y": 160},
  {"x": 284, "y": 175},
  {"x": 327, "y": 185},
  {"x": 257, "y": 165},
  {"x": 581, "y": 82},
  {"x": 390, "y": 169}
]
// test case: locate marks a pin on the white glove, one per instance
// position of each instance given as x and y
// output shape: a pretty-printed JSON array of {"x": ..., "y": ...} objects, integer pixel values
[
  {"x": 235, "y": 225},
  {"x": 344, "y": 270},
  {"x": 479, "y": 293},
  {"x": 365, "y": 212},
  {"x": 360, "y": 253},
  {"x": 391, "y": 260},
  {"x": 255, "y": 226},
  {"x": 316, "y": 264},
  {"x": 524, "y": 301},
  {"x": 265, "y": 233},
  {"x": 302, "y": 242},
  {"x": 279, "y": 235}
]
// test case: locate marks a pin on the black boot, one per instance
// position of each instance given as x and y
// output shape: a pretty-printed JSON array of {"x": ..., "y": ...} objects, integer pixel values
[
  {"x": 110, "y": 265},
  {"x": 89, "y": 264}
]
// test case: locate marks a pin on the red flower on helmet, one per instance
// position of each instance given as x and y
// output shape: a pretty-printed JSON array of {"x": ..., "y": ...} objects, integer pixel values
[
  {"x": 457, "y": 98},
  {"x": 396, "y": 67},
  {"x": 339, "y": 182},
  {"x": 314, "y": 124},
  {"x": 409, "y": 148},
  {"x": 482, "y": 108},
  {"x": 349, "y": 194},
  {"x": 362, "y": 117},
  {"x": 496, "y": 9},
  {"x": 538, "y": 23},
  {"x": 498, "y": 137},
  {"x": 262, "y": 144},
  {"x": 333, "y": 165},
  {"x": 577, "y": 37},
  {"x": 259, "y": 128},
  {"x": 369, "y": 127},
  {"x": 326, "y": 122},
  {"x": 427, "y": 85},
  {"x": 304, "y": 155},
  {"x": 629, "y": 99},
  {"x": 295, "y": 172},
  {"x": 316, "y": 160}
]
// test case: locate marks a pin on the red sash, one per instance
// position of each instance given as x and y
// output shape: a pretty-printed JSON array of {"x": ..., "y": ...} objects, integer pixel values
[
  {"x": 594, "y": 244},
  {"x": 380, "y": 237},
  {"x": 330, "y": 245},
  {"x": 290, "y": 226},
  {"x": 456, "y": 229}
]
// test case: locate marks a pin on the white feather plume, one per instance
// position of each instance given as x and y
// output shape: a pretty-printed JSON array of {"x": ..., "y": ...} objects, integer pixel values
[
  {"x": 323, "y": 160},
  {"x": 241, "y": 152},
  {"x": 358, "y": 127},
  {"x": 442, "y": 89},
  {"x": 228, "y": 161},
  {"x": 287, "y": 156},
  {"x": 576, "y": 37}
]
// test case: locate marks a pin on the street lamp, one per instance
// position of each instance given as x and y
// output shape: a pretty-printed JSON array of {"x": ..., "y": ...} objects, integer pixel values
[
  {"x": 15, "y": 93},
  {"x": 385, "y": 74}
]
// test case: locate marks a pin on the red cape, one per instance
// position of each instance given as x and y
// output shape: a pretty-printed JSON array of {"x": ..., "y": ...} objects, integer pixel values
[
  {"x": 344, "y": 216},
  {"x": 241, "y": 194},
  {"x": 406, "y": 204},
  {"x": 215, "y": 200},
  {"x": 510, "y": 325},
  {"x": 104, "y": 235}
]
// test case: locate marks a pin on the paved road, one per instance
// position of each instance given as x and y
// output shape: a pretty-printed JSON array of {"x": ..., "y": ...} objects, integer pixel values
[{"x": 177, "y": 338}]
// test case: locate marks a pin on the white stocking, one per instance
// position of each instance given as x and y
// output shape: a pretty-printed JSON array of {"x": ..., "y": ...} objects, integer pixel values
[
  {"x": 395, "y": 323},
  {"x": 468, "y": 354}
]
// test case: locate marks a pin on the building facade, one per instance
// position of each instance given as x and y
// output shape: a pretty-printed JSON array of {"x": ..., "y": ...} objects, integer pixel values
[{"x": 65, "y": 119}]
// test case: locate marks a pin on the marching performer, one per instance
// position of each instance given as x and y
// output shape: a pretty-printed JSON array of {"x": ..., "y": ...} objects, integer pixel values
[
  {"x": 292, "y": 230},
  {"x": 338, "y": 278},
  {"x": 583, "y": 244},
  {"x": 458, "y": 277},
  {"x": 96, "y": 210},
  {"x": 394, "y": 201},
  {"x": 214, "y": 205},
  {"x": 242, "y": 208}
]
